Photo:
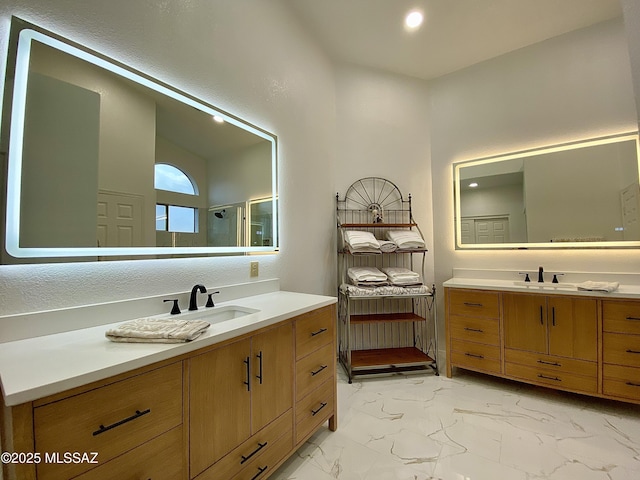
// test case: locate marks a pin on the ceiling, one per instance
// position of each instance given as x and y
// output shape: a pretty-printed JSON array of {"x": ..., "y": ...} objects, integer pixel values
[{"x": 454, "y": 35}]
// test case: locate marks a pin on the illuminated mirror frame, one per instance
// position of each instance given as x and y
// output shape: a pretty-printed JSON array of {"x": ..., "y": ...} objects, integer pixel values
[
  {"x": 530, "y": 153},
  {"x": 14, "y": 171}
]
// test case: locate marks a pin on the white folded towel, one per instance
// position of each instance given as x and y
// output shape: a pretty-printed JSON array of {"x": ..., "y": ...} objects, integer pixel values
[
  {"x": 387, "y": 246},
  {"x": 406, "y": 239},
  {"x": 598, "y": 286},
  {"x": 157, "y": 330},
  {"x": 402, "y": 276},
  {"x": 366, "y": 276},
  {"x": 358, "y": 239}
]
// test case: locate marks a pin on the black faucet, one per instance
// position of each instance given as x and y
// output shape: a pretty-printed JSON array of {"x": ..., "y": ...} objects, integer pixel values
[
  {"x": 193, "y": 304},
  {"x": 540, "y": 276}
]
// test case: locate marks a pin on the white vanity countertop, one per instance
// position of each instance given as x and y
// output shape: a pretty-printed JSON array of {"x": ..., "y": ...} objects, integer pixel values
[
  {"x": 36, "y": 367},
  {"x": 623, "y": 291}
]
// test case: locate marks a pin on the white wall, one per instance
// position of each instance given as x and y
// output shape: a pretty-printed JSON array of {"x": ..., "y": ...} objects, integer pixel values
[
  {"x": 575, "y": 86},
  {"x": 248, "y": 57},
  {"x": 383, "y": 131}
]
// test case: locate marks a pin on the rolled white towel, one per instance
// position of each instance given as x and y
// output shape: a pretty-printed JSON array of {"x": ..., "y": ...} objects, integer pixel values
[
  {"x": 406, "y": 239},
  {"x": 157, "y": 330},
  {"x": 387, "y": 246},
  {"x": 358, "y": 239},
  {"x": 598, "y": 286}
]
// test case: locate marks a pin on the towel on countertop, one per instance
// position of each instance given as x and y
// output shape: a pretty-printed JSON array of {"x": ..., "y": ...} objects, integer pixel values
[
  {"x": 402, "y": 276},
  {"x": 406, "y": 239},
  {"x": 366, "y": 276},
  {"x": 598, "y": 286},
  {"x": 157, "y": 330}
]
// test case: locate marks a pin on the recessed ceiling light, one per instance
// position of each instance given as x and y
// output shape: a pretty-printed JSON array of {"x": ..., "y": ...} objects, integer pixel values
[
  {"x": 414, "y": 19},
  {"x": 473, "y": 185},
  {"x": 218, "y": 118}
]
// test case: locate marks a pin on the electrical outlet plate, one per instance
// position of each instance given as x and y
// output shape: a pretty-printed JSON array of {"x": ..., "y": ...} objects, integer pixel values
[{"x": 253, "y": 269}]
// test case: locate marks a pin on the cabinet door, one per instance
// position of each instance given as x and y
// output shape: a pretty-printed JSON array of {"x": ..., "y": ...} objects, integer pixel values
[
  {"x": 525, "y": 322},
  {"x": 573, "y": 324},
  {"x": 272, "y": 375},
  {"x": 219, "y": 403}
]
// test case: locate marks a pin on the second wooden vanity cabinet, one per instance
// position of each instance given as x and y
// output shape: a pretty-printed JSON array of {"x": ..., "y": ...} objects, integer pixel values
[
  {"x": 579, "y": 343},
  {"x": 232, "y": 411}
]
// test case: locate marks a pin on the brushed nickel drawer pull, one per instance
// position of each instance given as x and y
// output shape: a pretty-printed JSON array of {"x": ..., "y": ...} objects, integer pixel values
[
  {"x": 322, "y": 367},
  {"x": 322, "y": 405},
  {"x": 477, "y": 330},
  {"x": 633, "y": 384},
  {"x": 554, "y": 364},
  {"x": 632, "y": 351},
  {"x": 633, "y": 318},
  {"x": 261, "y": 470},
  {"x": 469, "y": 304},
  {"x": 260, "y": 447},
  {"x": 322, "y": 330},
  {"x": 138, "y": 414},
  {"x": 474, "y": 355},
  {"x": 556, "y": 379}
]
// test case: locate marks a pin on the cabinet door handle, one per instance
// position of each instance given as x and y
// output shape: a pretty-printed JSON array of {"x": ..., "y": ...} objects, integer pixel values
[
  {"x": 631, "y": 384},
  {"x": 633, "y": 318},
  {"x": 259, "y": 376},
  {"x": 541, "y": 320},
  {"x": 260, "y": 447},
  {"x": 477, "y": 330},
  {"x": 554, "y": 364},
  {"x": 632, "y": 351},
  {"x": 322, "y": 330},
  {"x": 469, "y": 304},
  {"x": 247, "y": 362},
  {"x": 556, "y": 379},
  {"x": 315, "y": 412},
  {"x": 474, "y": 355},
  {"x": 314, "y": 373},
  {"x": 261, "y": 470},
  {"x": 138, "y": 414},
  {"x": 553, "y": 316}
]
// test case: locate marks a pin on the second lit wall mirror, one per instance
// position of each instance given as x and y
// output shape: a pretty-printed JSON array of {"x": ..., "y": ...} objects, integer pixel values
[
  {"x": 583, "y": 194},
  {"x": 105, "y": 162}
]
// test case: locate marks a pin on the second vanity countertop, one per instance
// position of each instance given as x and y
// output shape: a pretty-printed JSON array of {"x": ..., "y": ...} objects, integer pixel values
[
  {"x": 36, "y": 367},
  {"x": 623, "y": 291}
]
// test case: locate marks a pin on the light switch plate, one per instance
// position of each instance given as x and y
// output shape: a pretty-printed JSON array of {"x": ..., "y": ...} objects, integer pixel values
[{"x": 253, "y": 269}]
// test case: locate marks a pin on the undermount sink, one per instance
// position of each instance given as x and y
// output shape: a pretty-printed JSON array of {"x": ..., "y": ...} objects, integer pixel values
[
  {"x": 218, "y": 314},
  {"x": 546, "y": 285}
]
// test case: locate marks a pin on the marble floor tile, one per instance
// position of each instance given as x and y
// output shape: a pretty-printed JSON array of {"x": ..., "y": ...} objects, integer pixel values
[{"x": 469, "y": 427}]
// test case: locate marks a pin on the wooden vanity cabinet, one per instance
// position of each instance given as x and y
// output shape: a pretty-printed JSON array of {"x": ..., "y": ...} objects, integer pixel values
[
  {"x": 234, "y": 392},
  {"x": 621, "y": 349},
  {"x": 552, "y": 340},
  {"x": 232, "y": 411}
]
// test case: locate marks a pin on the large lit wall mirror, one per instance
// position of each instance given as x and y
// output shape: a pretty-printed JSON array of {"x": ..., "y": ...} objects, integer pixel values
[
  {"x": 105, "y": 162},
  {"x": 578, "y": 195}
]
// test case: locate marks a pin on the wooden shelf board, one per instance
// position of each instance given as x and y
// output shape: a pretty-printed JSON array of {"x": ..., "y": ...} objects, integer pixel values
[
  {"x": 385, "y": 317},
  {"x": 388, "y": 357}
]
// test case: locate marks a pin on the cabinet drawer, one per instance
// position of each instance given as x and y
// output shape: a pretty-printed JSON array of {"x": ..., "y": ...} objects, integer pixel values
[
  {"x": 251, "y": 450},
  {"x": 474, "y": 303},
  {"x": 555, "y": 379},
  {"x": 158, "y": 458},
  {"x": 481, "y": 330},
  {"x": 475, "y": 356},
  {"x": 263, "y": 466},
  {"x": 313, "y": 370},
  {"x": 551, "y": 362},
  {"x": 314, "y": 330},
  {"x": 621, "y": 349},
  {"x": 314, "y": 409},
  {"x": 621, "y": 381},
  {"x": 109, "y": 420},
  {"x": 622, "y": 317}
]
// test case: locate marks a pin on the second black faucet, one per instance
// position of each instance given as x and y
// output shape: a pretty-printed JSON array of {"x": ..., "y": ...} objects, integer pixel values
[{"x": 193, "y": 304}]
